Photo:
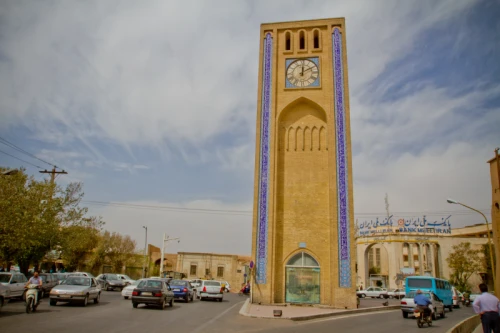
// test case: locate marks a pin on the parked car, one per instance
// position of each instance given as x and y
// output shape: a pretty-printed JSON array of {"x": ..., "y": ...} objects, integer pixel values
[
  {"x": 49, "y": 281},
  {"x": 111, "y": 282},
  {"x": 15, "y": 282},
  {"x": 4, "y": 295},
  {"x": 396, "y": 293},
  {"x": 81, "y": 274},
  {"x": 76, "y": 289},
  {"x": 127, "y": 291},
  {"x": 376, "y": 292},
  {"x": 210, "y": 289},
  {"x": 408, "y": 305},
  {"x": 153, "y": 292},
  {"x": 126, "y": 279},
  {"x": 182, "y": 290},
  {"x": 456, "y": 296}
]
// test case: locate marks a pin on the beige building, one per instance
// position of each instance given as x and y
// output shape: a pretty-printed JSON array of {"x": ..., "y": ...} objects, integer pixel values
[
  {"x": 495, "y": 212},
  {"x": 225, "y": 267},
  {"x": 303, "y": 235},
  {"x": 389, "y": 254}
]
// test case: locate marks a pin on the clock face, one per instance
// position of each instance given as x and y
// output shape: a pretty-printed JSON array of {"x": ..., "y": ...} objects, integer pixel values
[{"x": 302, "y": 72}]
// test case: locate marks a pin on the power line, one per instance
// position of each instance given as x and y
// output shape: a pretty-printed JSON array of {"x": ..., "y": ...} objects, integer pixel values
[
  {"x": 17, "y": 158},
  {"x": 13, "y": 146}
]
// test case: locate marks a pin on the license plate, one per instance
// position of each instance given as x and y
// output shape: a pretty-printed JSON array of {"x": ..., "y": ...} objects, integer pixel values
[
  {"x": 417, "y": 314},
  {"x": 146, "y": 294},
  {"x": 177, "y": 290}
]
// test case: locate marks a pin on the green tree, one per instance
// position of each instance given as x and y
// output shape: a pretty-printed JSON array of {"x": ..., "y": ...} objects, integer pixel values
[
  {"x": 113, "y": 249},
  {"x": 463, "y": 262},
  {"x": 374, "y": 270}
]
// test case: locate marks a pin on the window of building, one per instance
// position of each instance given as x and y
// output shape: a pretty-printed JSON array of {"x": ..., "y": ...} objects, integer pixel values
[
  {"x": 288, "y": 41},
  {"x": 316, "y": 39},
  {"x": 302, "y": 283},
  {"x": 238, "y": 271},
  {"x": 302, "y": 40},
  {"x": 207, "y": 271},
  {"x": 220, "y": 271},
  {"x": 192, "y": 269},
  {"x": 377, "y": 257}
]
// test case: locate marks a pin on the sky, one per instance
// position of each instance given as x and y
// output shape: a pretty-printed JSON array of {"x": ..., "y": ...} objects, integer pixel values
[{"x": 152, "y": 105}]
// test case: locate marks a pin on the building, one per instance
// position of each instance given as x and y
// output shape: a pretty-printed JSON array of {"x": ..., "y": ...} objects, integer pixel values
[
  {"x": 495, "y": 212},
  {"x": 387, "y": 254},
  {"x": 303, "y": 235},
  {"x": 225, "y": 267}
]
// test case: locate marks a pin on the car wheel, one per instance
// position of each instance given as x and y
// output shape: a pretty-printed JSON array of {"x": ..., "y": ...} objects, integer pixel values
[
  {"x": 192, "y": 298},
  {"x": 450, "y": 308},
  {"x": 85, "y": 301},
  {"x": 106, "y": 287},
  {"x": 134, "y": 304},
  {"x": 442, "y": 314},
  {"x": 187, "y": 299},
  {"x": 171, "y": 302},
  {"x": 362, "y": 295},
  {"x": 97, "y": 299},
  {"x": 126, "y": 297},
  {"x": 1, "y": 303},
  {"x": 405, "y": 314},
  {"x": 23, "y": 296},
  {"x": 220, "y": 300},
  {"x": 434, "y": 317},
  {"x": 163, "y": 304},
  {"x": 52, "y": 303}
]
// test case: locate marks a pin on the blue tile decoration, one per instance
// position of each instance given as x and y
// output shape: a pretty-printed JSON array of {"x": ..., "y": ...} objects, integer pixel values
[
  {"x": 263, "y": 197},
  {"x": 342, "y": 171},
  {"x": 314, "y": 84}
]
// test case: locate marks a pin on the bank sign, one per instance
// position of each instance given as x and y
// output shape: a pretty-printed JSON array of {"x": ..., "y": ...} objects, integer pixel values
[{"x": 412, "y": 225}]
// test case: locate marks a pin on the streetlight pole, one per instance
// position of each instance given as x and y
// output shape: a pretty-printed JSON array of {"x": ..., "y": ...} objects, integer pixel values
[
  {"x": 165, "y": 239},
  {"x": 145, "y": 252},
  {"x": 451, "y": 201}
]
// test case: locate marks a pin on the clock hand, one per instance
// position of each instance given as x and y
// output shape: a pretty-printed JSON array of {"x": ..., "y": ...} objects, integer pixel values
[{"x": 302, "y": 72}]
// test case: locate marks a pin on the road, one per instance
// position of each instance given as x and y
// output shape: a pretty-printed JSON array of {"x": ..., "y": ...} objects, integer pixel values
[{"x": 114, "y": 314}]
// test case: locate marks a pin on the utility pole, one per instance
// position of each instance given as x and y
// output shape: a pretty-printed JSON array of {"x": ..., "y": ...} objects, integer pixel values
[
  {"x": 145, "y": 252},
  {"x": 165, "y": 239},
  {"x": 53, "y": 174}
]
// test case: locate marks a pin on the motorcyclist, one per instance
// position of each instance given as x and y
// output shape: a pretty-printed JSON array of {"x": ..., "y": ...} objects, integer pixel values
[
  {"x": 35, "y": 279},
  {"x": 422, "y": 302},
  {"x": 466, "y": 297}
]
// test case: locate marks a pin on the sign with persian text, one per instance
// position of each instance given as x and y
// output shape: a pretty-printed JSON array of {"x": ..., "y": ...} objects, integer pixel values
[{"x": 391, "y": 224}]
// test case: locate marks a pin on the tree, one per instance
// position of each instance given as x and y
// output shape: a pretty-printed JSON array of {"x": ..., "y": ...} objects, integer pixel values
[
  {"x": 487, "y": 261},
  {"x": 463, "y": 262},
  {"x": 374, "y": 270},
  {"x": 113, "y": 249}
]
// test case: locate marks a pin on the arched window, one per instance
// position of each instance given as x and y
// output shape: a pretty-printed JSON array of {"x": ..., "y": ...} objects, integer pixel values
[
  {"x": 302, "y": 279},
  {"x": 302, "y": 40},
  {"x": 316, "y": 39},
  {"x": 288, "y": 41}
]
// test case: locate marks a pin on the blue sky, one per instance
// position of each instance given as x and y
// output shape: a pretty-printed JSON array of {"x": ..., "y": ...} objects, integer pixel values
[{"x": 154, "y": 103}]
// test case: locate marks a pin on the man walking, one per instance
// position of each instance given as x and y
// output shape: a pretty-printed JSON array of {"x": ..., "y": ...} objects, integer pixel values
[{"x": 488, "y": 307}]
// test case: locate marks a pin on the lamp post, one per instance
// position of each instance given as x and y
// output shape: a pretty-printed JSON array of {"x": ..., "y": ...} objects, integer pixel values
[
  {"x": 451, "y": 201},
  {"x": 165, "y": 239},
  {"x": 145, "y": 252}
]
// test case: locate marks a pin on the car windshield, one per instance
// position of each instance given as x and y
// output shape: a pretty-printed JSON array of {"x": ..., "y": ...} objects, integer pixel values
[
  {"x": 135, "y": 283},
  {"x": 412, "y": 294},
  {"x": 112, "y": 277},
  {"x": 5, "y": 277},
  {"x": 77, "y": 281},
  {"x": 149, "y": 284},
  {"x": 212, "y": 283},
  {"x": 126, "y": 277},
  {"x": 178, "y": 283}
]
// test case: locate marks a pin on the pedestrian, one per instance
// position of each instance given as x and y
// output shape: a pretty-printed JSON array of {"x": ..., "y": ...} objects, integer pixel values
[{"x": 488, "y": 307}]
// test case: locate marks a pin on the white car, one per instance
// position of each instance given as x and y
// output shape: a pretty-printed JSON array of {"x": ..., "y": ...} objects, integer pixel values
[
  {"x": 408, "y": 305},
  {"x": 81, "y": 274},
  {"x": 15, "y": 282},
  {"x": 210, "y": 290},
  {"x": 125, "y": 278},
  {"x": 372, "y": 292},
  {"x": 396, "y": 293},
  {"x": 127, "y": 291}
]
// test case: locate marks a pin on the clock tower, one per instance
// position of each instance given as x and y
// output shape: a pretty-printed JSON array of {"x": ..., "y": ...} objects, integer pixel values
[{"x": 303, "y": 235}]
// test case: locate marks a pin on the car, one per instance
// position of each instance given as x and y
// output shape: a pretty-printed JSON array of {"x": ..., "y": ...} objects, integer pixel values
[
  {"x": 49, "y": 281},
  {"x": 153, "y": 292},
  {"x": 76, "y": 289},
  {"x": 472, "y": 297},
  {"x": 210, "y": 289},
  {"x": 408, "y": 305},
  {"x": 376, "y": 292},
  {"x": 126, "y": 279},
  {"x": 182, "y": 290},
  {"x": 111, "y": 282},
  {"x": 396, "y": 293},
  {"x": 81, "y": 274},
  {"x": 4, "y": 295},
  {"x": 456, "y": 296},
  {"x": 15, "y": 281},
  {"x": 196, "y": 283},
  {"x": 127, "y": 291}
]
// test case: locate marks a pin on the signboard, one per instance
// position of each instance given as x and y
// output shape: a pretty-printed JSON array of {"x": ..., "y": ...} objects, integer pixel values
[{"x": 412, "y": 225}]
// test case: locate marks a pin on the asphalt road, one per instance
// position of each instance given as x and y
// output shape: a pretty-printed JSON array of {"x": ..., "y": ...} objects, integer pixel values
[{"x": 114, "y": 314}]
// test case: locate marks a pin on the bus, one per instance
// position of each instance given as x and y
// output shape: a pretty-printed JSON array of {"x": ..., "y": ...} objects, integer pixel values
[{"x": 439, "y": 287}]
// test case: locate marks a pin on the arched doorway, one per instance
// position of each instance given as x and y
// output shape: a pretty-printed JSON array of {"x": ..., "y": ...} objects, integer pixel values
[
  {"x": 376, "y": 260},
  {"x": 302, "y": 279}
]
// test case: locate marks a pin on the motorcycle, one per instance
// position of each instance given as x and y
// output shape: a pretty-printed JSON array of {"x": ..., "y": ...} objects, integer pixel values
[
  {"x": 32, "y": 297},
  {"x": 423, "y": 316},
  {"x": 467, "y": 302},
  {"x": 244, "y": 291}
]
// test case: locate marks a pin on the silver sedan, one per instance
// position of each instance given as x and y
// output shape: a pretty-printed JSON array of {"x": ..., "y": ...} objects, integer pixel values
[{"x": 76, "y": 289}]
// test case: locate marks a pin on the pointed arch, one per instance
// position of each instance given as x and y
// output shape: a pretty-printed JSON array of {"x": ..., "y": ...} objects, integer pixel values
[{"x": 307, "y": 139}]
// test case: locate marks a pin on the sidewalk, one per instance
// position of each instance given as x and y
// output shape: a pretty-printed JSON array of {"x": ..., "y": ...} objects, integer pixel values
[{"x": 299, "y": 313}]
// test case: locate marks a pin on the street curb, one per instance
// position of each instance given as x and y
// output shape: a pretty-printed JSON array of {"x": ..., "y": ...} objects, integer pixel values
[
  {"x": 244, "y": 312},
  {"x": 465, "y": 325}
]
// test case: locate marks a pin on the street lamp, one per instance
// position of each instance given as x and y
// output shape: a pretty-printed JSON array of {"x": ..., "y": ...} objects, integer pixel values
[
  {"x": 145, "y": 251},
  {"x": 165, "y": 239},
  {"x": 451, "y": 201}
]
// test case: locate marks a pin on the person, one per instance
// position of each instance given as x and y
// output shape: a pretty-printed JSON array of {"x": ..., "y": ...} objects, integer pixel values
[
  {"x": 488, "y": 307},
  {"x": 35, "y": 279},
  {"x": 422, "y": 302}
]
